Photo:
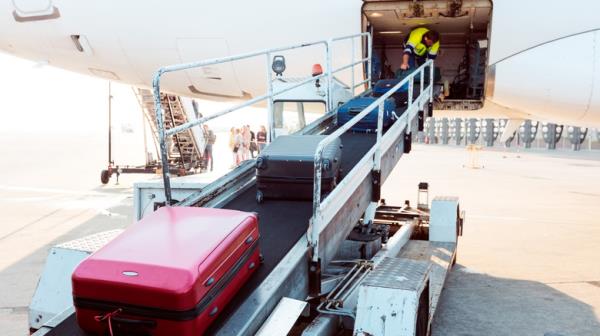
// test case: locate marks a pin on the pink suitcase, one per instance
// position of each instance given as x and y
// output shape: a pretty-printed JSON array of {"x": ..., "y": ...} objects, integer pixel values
[{"x": 171, "y": 273}]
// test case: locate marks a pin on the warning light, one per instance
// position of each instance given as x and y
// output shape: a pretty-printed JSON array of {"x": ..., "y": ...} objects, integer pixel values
[{"x": 317, "y": 70}]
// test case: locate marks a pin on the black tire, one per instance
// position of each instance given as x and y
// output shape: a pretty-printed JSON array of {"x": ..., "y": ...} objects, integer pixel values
[
  {"x": 259, "y": 196},
  {"x": 104, "y": 176}
]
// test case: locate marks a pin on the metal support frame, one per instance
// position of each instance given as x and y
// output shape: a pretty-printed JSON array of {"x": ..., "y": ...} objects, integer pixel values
[
  {"x": 352, "y": 72},
  {"x": 269, "y": 96},
  {"x": 334, "y": 302},
  {"x": 552, "y": 134},
  {"x": 324, "y": 211},
  {"x": 458, "y": 136},
  {"x": 431, "y": 125},
  {"x": 490, "y": 132},
  {"x": 473, "y": 131},
  {"x": 314, "y": 279},
  {"x": 577, "y": 136},
  {"x": 376, "y": 177},
  {"x": 110, "y": 97},
  {"x": 384, "y": 153},
  {"x": 445, "y": 131},
  {"x": 329, "y": 74},
  {"x": 529, "y": 132},
  {"x": 376, "y": 172},
  {"x": 407, "y": 143},
  {"x": 430, "y": 109},
  {"x": 270, "y": 117},
  {"x": 289, "y": 276}
]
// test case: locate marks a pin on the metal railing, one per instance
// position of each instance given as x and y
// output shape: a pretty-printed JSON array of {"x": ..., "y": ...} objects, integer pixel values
[
  {"x": 414, "y": 105},
  {"x": 268, "y": 53}
]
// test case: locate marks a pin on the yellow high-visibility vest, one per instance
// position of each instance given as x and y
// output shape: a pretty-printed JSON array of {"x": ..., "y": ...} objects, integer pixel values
[{"x": 415, "y": 44}]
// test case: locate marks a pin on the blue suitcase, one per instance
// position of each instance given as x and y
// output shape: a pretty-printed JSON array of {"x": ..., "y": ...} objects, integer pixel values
[
  {"x": 369, "y": 122},
  {"x": 384, "y": 85}
]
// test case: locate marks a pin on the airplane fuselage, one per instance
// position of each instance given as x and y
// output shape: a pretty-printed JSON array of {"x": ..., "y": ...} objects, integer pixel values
[{"x": 542, "y": 60}]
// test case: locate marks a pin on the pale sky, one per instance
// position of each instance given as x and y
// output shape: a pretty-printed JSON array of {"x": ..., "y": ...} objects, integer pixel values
[
  {"x": 48, "y": 100},
  {"x": 54, "y": 125},
  {"x": 49, "y": 112}
]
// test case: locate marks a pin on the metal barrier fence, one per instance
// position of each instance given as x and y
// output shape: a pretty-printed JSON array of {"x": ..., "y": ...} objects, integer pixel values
[
  {"x": 269, "y": 96},
  {"x": 324, "y": 211}
]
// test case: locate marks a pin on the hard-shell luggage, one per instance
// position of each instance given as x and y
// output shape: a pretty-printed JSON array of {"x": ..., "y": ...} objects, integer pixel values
[
  {"x": 285, "y": 168},
  {"x": 437, "y": 75},
  {"x": 171, "y": 273},
  {"x": 384, "y": 85},
  {"x": 401, "y": 74},
  {"x": 369, "y": 123}
]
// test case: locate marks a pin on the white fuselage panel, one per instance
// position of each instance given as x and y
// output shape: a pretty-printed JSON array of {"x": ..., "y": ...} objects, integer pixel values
[{"x": 544, "y": 51}]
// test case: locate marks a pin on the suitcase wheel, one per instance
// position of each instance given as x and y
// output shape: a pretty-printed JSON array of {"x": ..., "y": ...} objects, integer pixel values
[
  {"x": 259, "y": 196},
  {"x": 261, "y": 258}
]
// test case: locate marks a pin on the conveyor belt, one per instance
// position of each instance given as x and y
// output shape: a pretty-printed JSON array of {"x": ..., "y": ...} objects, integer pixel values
[
  {"x": 282, "y": 223},
  {"x": 68, "y": 327}
]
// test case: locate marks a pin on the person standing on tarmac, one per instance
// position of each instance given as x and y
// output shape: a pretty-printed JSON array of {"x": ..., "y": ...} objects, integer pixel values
[
  {"x": 246, "y": 142},
  {"x": 261, "y": 138},
  {"x": 232, "y": 147},
  {"x": 209, "y": 138},
  {"x": 422, "y": 44},
  {"x": 253, "y": 145}
]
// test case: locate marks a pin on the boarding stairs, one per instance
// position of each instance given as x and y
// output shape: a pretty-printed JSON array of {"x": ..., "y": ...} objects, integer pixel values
[{"x": 185, "y": 149}]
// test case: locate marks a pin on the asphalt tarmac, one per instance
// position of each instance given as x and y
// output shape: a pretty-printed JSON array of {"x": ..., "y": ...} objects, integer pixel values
[{"x": 527, "y": 263}]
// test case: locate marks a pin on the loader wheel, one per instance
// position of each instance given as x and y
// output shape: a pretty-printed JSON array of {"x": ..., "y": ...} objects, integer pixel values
[{"x": 104, "y": 176}]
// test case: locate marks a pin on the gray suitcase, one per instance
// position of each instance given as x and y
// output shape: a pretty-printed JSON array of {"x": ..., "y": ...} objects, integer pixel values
[{"x": 285, "y": 168}]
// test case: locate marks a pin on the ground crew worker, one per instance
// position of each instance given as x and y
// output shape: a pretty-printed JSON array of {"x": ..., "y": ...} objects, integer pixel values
[{"x": 422, "y": 43}]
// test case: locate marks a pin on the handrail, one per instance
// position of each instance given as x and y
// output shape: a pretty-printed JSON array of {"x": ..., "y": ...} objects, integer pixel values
[
  {"x": 328, "y": 74},
  {"x": 316, "y": 222},
  {"x": 247, "y": 103}
]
